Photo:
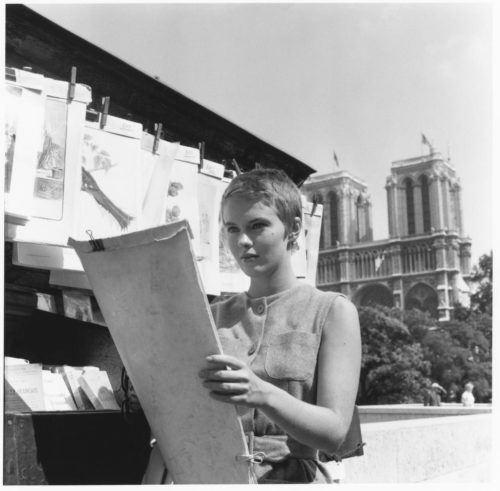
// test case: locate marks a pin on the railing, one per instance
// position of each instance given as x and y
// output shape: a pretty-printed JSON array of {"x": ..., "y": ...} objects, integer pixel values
[
  {"x": 377, "y": 261},
  {"x": 417, "y": 258},
  {"x": 328, "y": 269},
  {"x": 372, "y": 264}
]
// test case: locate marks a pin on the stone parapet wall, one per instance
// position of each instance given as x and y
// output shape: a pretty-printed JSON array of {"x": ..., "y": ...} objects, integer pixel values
[
  {"x": 395, "y": 412},
  {"x": 417, "y": 450}
]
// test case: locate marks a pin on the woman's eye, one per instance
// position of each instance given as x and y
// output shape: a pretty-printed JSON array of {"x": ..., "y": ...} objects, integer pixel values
[
  {"x": 232, "y": 230},
  {"x": 258, "y": 225}
]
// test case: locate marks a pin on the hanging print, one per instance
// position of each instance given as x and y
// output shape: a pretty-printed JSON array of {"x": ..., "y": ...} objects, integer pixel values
[
  {"x": 182, "y": 198},
  {"x": 209, "y": 195},
  {"x": 24, "y": 110},
  {"x": 49, "y": 180},
  {"x": 154, "y": 178},
  {"x": 11, "y": 108},
  {"x": 232, "y": 278},
  {"x": 108, "y": 200},
  {"x": 56, "y": 169}
]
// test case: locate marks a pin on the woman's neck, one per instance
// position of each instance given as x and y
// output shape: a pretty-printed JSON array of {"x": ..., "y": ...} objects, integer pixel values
[{"x": 265, "y": 286}]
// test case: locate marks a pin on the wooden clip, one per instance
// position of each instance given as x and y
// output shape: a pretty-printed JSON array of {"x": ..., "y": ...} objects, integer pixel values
[
  {"x": 201, "y": 146},
  {"x": 10, "y": 74},
  {"x": 72, "y": 84},
  {"x": 236, "y": 166},
  {"x": 104, "y": 112},
  {"x": 315, "y": 204},
  {"x": 156, "y": 142}
]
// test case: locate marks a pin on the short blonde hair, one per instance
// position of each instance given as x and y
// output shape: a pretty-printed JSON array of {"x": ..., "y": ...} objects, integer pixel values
[{"x": 271, "y": 187}]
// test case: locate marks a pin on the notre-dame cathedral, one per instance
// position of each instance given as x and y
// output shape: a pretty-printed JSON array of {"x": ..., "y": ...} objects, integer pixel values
[{"x": 425, "y": 261}]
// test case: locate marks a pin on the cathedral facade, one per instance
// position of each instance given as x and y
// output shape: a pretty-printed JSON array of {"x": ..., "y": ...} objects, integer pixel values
[{"x": 425, "y": 261}]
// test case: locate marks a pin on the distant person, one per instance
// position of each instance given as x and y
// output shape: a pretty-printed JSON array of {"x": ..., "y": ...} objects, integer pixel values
[
  {"x": 432, "y": 396},
  {"x": 452, "y": 396},
  {"x": 468, "y": 398}
]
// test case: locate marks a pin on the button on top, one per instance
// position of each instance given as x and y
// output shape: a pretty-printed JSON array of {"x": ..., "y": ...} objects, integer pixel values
[
  {"x": 252, "y": 349},
  {"x": 260, "y": 308}
]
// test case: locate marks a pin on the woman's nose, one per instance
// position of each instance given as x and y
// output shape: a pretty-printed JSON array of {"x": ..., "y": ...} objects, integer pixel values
[{"x": 244, "y": 241}]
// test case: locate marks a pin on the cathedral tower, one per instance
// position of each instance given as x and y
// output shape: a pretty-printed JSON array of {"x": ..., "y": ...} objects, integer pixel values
[{"x": 425, "y": 261}]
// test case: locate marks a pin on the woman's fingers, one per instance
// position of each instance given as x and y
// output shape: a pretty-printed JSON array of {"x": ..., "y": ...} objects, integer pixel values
[
  {"x": 229, "y": 398},
  {"x": 226, "y": 360},
  {"x": 218, "y": 374},
  {"x": 225, "y": 387}
]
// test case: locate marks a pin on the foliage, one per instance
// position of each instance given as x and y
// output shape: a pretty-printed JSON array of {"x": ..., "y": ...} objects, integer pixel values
[
  {"x": 403, "y": 351},
  {"x": 482, "y": 279},
  {"x": 393, "y": 368},
  {"x": 459, "y": 352}
]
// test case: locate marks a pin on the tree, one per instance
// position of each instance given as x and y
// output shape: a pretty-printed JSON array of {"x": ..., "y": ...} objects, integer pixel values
[
  {"x": 482, "y": 280},
  {"x": 393, "y": 369}
]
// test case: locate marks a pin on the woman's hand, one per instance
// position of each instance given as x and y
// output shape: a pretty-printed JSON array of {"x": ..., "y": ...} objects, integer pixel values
[{"x": 232, "y": 381}]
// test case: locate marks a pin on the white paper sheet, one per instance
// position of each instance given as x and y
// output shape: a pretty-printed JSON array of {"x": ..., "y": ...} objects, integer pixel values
[
  {"x": 155, "y": 171},
  {"x": 312, "y": 224},
  {"x": 57, "y": 178},
  {"x": 209, "y": 195},
  {"x": 24, "y": 119},
  {"x": 149, "y": 290},
  {"x": 108, "y": 201},
  {"x": 232, "y": 278},
  {"x": 182, "y": 199}
]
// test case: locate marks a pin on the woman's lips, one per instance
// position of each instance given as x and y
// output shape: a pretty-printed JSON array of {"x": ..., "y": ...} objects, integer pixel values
[{"x": 248, "y": 257}]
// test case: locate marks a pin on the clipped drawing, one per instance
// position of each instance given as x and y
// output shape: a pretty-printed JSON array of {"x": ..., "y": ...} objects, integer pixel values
[
  {"x": 108, "y": 201},
  {"x": 209, "y": 196},
  {"x": 182, "y": 199},
  {"x": 156, "y": 168},
  {"x": 11, "y": 110},
  {"x": 24, "y": 111},
  {"x": 50, "y": 171},
  {"x": 46, "y": 174}
]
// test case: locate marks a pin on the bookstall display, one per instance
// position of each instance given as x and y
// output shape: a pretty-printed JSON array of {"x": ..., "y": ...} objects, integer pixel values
[{"x": 89, "y": 157}]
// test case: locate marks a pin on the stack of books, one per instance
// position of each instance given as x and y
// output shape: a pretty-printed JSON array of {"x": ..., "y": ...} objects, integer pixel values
[{"x": 35, "y": 387}]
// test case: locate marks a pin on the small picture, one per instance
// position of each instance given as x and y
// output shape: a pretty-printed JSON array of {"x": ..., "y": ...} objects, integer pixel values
[
  {"x": 49, "y": 182},
  {"x": 77, "y": 306},
  {"x": 12, "y": 101}
]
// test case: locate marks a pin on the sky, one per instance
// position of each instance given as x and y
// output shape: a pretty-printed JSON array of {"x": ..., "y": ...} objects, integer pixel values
[{"x": 362, "y": 80}]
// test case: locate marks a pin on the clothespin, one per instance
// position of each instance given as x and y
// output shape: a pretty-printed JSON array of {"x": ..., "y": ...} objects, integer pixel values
[
  {"x": 91, "y": 115},
  {"x": 104, "y": 112},
  {"x": 10, "y": 74},
  {"x": 236, "y": 166},
  {"x": 258, "y": 166},
  {"x": 156, "y": 142},
  {"x": 72, "y": 84},
  {"x": 201, "y": 146},
  {"x": 315, "y": 204}
]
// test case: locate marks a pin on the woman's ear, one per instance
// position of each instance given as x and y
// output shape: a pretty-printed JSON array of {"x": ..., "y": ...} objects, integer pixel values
[{"x": 295, "y": 232}]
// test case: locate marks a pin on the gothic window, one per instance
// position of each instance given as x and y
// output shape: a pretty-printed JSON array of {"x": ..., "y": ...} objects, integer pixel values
[
  {"x": 426, "y": 209},
  {"x": 410, "y": 208},
  {"x": 360, "y": 218},
  {"x": 334, "y": 218}
]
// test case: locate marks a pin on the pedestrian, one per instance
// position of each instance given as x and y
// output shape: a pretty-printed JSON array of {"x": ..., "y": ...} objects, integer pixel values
[
  {"x": 432, "y": 394},
  {"x": 292, "y": 353},
  {"x": 468, "y": 398}
]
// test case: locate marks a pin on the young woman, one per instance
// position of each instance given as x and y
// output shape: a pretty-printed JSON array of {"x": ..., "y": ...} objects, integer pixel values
[{"x": 292, "y": 353}]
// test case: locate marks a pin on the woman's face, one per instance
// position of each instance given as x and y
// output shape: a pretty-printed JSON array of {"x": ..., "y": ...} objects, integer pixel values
[{"x": 255, "y": 235}]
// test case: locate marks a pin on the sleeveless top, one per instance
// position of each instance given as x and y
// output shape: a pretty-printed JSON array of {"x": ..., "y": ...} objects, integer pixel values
[{"x": 278, "y": 337}]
